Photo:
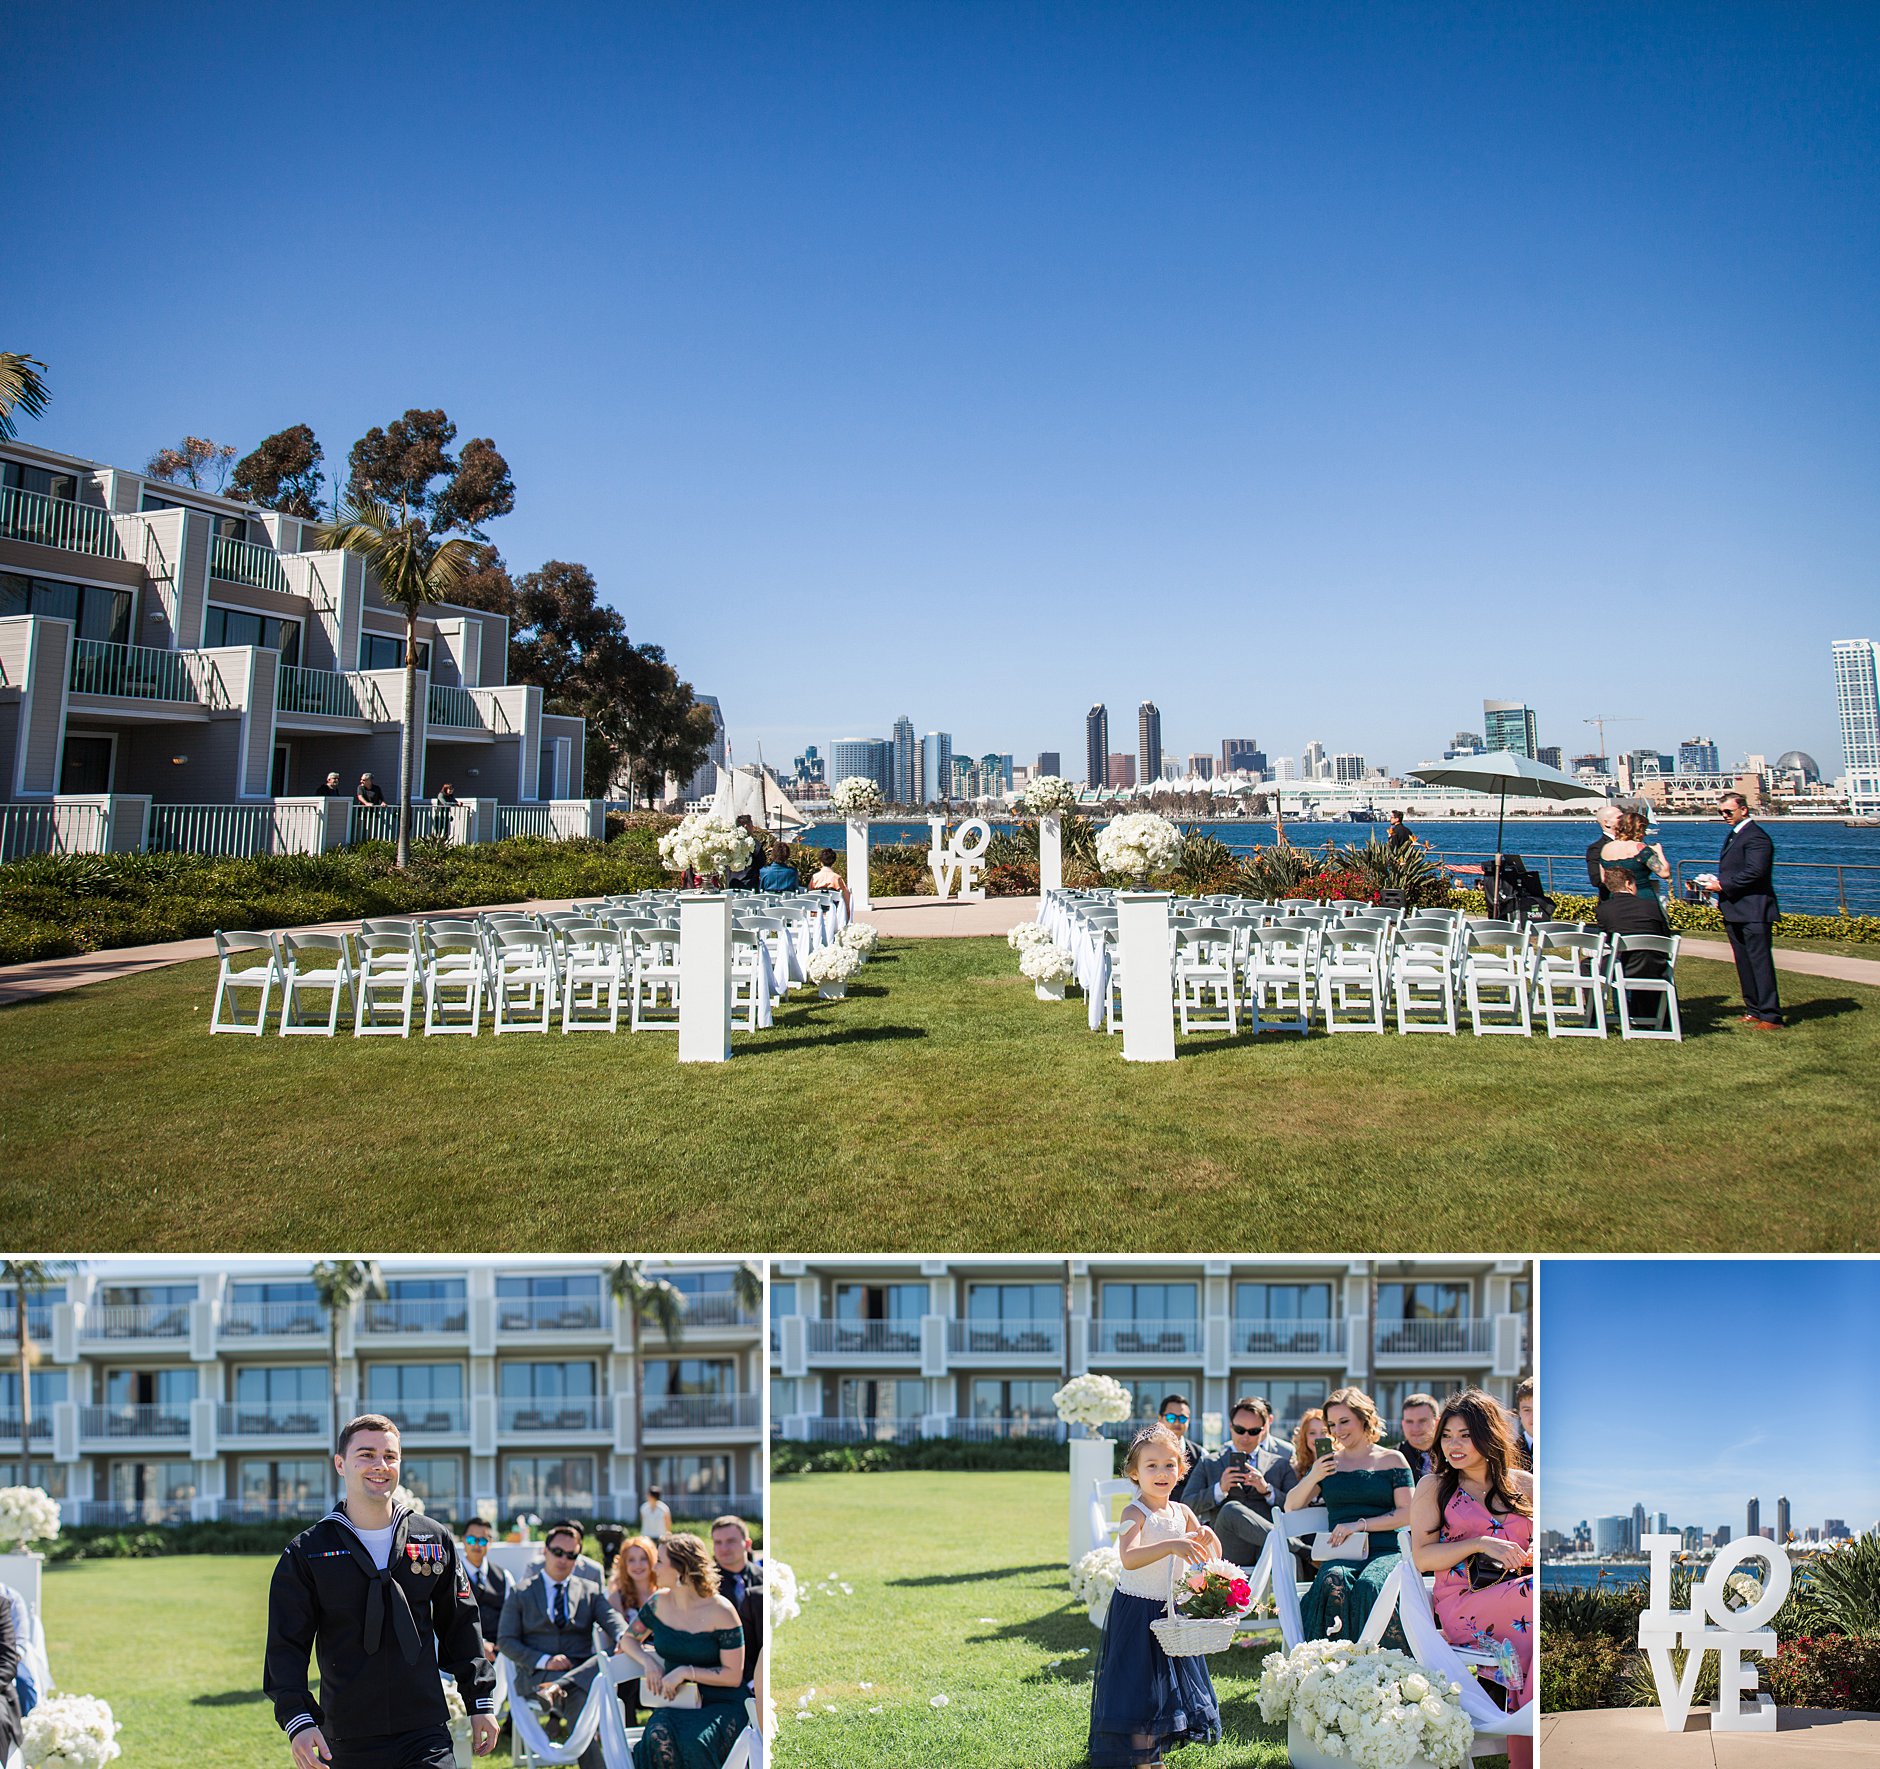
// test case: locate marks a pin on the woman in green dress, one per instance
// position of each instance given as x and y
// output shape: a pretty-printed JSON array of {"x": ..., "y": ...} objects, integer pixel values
[
  {"x": 1366, "y": 1491},
  {"x": 698, "y": 1639}
]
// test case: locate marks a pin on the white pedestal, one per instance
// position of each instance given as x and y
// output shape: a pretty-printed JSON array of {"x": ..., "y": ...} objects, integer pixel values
[
  {"x": 22, "y": 1571},
  {"x": 1142, "y": 950},
  {"x": 1050, "y": 854},
  {"x": 704, "y": 977},
  {"x": 858, "y": 865},
  {"x": 1092, "y": 1459}
]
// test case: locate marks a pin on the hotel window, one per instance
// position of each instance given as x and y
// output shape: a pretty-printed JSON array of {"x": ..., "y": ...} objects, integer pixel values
[
  {"x": 1290, "y": 1397},
  {"x": 1423, "y": 1302},
  {"x": 39, "y": 1305},
  {"x": 296, "y": 1486},
  {"x": 782, "y": 1297},
  {"x": 881, "y": 1302},
  {"x": 437, "y": 1481},
  {"x": 1283, "y": 1302},
  {"x": 243, "y": 626},
  {"x": 283, "y": 1397},
  {"x": 171, "y": 1390},
  {"x": 1146, "y": 1395},
  {"x": 1026, "y": 1401},
  {"x": 704, "y": 1476},
  {"x": 1149, "y": 1317},
  {"x": 548, "y": 1483},
  {"x": 865, "y": 1397},
  {"x": 381, "y": 651},
  {"x": 1388, "y": 1396},
  {"x": 710, "y": 1297},
  {"x": 45, "y": 482},
  {"x": 1014, "y": 1302},
  {"x": 273, "y": 1305},
  {"x": 47, "y": 1475},
  {"x": 97, "y": 612},
  {"x": 421, "y": 1397},
  {"x": 419, "y": 1305},
  {"x": 159, "y": 1486},
  {"x": 548, "y": 1396},
  {"x": 567, "y": 1301},
  {"x": 690, "y": 1375},
  {"x": 47, "y": 1390}
]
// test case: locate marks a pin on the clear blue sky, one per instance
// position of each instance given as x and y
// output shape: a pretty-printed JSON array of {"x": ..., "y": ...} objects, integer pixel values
[
  {"x": 1311, "y": 370},
  {"x": 1690, "y": 1386}
]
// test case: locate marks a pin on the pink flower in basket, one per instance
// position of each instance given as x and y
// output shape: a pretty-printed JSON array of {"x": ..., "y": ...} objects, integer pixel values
[
  {"x": 1217, "y": 1590},
  {"x": 1239, "y": 1593}
]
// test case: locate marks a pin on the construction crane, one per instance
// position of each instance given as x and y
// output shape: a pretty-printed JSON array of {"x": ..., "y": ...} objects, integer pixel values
[{"x": 1602, "y": 720}]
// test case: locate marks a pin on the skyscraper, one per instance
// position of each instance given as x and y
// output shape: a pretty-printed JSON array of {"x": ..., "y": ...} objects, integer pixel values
[
  {"x": 1507, "y": 724},
  {"x": 1348, "y": 767},
  {"x": 1201, "y": 764},
  {"x": 1611, "y": 1535},
  {"x": 1721, "y": 1537},
  {"x": 704, "y": 783},
  {"x": 1782, "y": 1520},
  {"x": 1120, "y": 770},
  {"x": 1857, "y": 690},
  {"x": 872, "y": 758},
  {"x": 1697, "y": 755},
  {"x": 1050, "y": 761},
  {"x": 1548, "y": 755},
  {"x": 1640, "y": 1524},
  {"x": 1097, "y": 745},
  {"x": 1312, "y": 764},
  {"x": 1148, "y": 741},
  {"x": 906, "y": 783},
  {"x": 1752, "y": 1519},
  {"x": 936, "y": 767},
  {"x": 1239, "y": 753}
]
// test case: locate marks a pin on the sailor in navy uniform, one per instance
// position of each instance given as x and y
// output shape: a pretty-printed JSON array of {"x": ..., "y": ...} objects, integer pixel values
[{"x": 378, "y": 1592}]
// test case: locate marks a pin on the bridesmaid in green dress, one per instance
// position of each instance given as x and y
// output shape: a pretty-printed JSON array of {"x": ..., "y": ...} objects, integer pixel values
[
  {"x": 699, "y": 1640},
  {"x": 1365, "y": 1490}
]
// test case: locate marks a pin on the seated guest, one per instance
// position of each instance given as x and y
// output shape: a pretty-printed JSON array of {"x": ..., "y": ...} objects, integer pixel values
[
  {"x": 826, "y": 878},
  {"x": 1177, "y": 1415},
  {"x": 1474, "y": 1528},
  {"x": 1524, "y": 1410},
  {"x": 698, "y": 1638},
  {"x": 13, "y": 1642},
  {"x": 368, "y": 792},
  {"x": 745, "y": 878},
  {"x": 1233, "y": 1491},
  {"x": 1417, "y": 1441},
  {"x": 489, "y": 1584},
  {"x": 1626, "y": 909},
  {"x": 1608, "y": 821},
  {"x": 1311, "y": 1428},
  {"x": 1366, "y": 1491},
  {"x": 547, "y": 1632},
  {"x": 741, "y": 1584},
  {"x": 25, "y": 1683},
  {"x": 632, "y": 1583},
  {"x": 779, "y": 875}
]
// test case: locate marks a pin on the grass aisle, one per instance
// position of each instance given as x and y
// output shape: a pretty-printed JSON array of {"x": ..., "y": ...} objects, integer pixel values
[
  {"x": 940, "y": 1107},
  {"x": 929, "y": 1585}
]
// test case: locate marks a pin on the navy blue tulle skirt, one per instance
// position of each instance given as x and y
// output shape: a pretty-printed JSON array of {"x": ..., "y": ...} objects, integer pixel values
[{"x": 1143, "y": 1701}]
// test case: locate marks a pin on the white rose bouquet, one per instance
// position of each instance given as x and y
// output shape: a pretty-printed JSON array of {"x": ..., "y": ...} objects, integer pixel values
[
  {"x": 833, "y": 964},
  {"x": 1027, "y": 933},
  {"x": 1091, "y": 1400},
  {"x": 27, "y": 1515},
  {"x": 1044, "y": 963},
  {"x": 863, "y": 936},
  {"x": 780, "y": 1598},
  {"x": 1094, "y": 1580},
  {"x": 1377, "y": 1707},
  {"x": 705, "y": 843},
  {"x": 70, "y": 1732},
  {"x": 1050, "y": 795},
  {"x": 856, "y": 796},
  {"x": 1138, "y": 843}
]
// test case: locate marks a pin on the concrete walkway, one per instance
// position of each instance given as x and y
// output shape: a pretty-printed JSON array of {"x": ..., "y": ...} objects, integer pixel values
[
  {"x": 1635, "y": 1738},
  {"x": 928, "y": 918}
]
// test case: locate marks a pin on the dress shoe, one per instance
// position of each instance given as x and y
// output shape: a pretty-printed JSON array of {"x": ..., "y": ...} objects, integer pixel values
[{"x": 1764, "y": 1025}]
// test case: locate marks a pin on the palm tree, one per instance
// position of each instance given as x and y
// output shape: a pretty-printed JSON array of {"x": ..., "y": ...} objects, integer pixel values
[
  {"x": 651, "y": 1302},
  {"x": 22, "y": 388},
  {"x": 26, "y": 1278},
  {"x": 414, "y": 569},
  {"x": 339, "y": 1284}
]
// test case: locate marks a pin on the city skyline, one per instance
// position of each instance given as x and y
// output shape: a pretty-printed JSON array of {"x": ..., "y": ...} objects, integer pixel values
[
  {"x": 803, "y": 310},
  {"x": 1697, "y": 1385}
]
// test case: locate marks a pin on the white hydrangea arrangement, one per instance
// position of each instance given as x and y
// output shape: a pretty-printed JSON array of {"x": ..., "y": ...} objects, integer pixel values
[
  {"x": 454, "y": 1709},
  {"x": 70, "y": 1732},
  {"x": 863, "y": 936},
  {"x": 1044, "y": 963},
  {"x": 1027, "y": 933},
  {"x": 1091, "y": 1400},
  {"x": 403, "y": 1495},
  {"x": 1138, "y": 843},
  {"x": 28, "y": 1514},
  {"x": 856, "y": 796},
  {"x": 833, "y": 964},
  {"x": 706, "y": 843},
  {"x": 1050, "y": 795},
  {"x": 1094, "y": 1580},
  {"x": 1377, "y": 1707},
  {"x": 780, "y": 1597}
]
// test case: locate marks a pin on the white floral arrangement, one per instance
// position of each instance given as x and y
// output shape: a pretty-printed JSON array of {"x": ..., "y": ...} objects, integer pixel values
[
  {"x": 833, "y": 964},
  {"x": 1044, "y": 963},
  {"x": 28, "y": 1514},
  {"x": 705, "y": 843},
  {"x": 1377, "y": 1707},
  {"x": 863, "y": 936},
  {"x": 453, "y": 1701},
  {"x": 1027, "y": 933},
  {"x": 1091, "y": 1400},
  {"x": 70, "y": 1732},
  {"x": 780, "y": 1599},
  {"x": 856, "y": 796},
  {"x": 403, "y": 1495},
  {"x": 1138, "y": 842},
  {"x": 1094, "y": 1580},
  {"x": 1050, "y": 795}
]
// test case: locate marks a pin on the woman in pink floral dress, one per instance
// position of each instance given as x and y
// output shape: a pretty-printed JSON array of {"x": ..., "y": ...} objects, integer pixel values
[{"x": 1474, "y": 1528}]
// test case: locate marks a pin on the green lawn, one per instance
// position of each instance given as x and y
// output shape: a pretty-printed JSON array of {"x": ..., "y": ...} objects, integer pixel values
[{"x": 940, "y": 1107}]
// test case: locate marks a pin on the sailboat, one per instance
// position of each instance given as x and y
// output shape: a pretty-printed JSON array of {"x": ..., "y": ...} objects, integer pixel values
[{"x": 753, "y": 791}]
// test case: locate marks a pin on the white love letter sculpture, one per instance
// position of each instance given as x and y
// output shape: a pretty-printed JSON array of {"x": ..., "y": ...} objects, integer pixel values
[
  {"x": 958, "y": 860},
  {"x": 1737, "y": 1631}
]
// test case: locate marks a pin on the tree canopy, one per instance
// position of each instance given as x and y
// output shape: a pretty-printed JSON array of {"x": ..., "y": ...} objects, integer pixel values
[
  {"x": 409, "y": 463},
  {"x": 196, "y": 461},
  {"x": 282, "y": 472}
]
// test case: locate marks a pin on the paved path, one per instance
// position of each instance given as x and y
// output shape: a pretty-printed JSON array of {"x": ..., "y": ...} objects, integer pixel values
[
  {"x": 928, "y": 918},
  {"x": 1635, "y": 1738}
]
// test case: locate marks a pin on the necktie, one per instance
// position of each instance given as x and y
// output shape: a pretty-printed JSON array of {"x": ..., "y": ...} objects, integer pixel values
[{"x": 561, "y": 1606}]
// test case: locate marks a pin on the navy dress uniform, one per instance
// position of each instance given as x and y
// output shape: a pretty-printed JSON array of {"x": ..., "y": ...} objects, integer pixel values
[{"x": 384, "y": 1637}]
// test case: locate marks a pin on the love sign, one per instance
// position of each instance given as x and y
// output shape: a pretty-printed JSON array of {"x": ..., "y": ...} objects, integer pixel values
[
  {"x": 1710, "y": 1624},
  {"x": 957, "y": 861}
]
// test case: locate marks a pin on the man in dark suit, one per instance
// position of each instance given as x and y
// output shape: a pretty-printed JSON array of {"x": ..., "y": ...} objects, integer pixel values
[
  {"x": 547, "y": 1631},
  {"x": 1235, "y": 1490},
  {"x": 741, "y": 1584},
  {"x": 1177, "y": 1415},
  {"x": 489, "y": 1584},
  {"x": 1746, "y": 899},
  {"x": 1608, "y": 831},
  {"x": 1418, "y": 1417}
]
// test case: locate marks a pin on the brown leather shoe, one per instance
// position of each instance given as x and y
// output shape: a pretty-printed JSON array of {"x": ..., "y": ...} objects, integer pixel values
[{"x": 1763, "y": 1025}]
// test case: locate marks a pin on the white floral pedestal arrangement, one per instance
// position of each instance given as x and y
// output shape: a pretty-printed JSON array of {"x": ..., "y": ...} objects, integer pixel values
[
  {"x": 28, "y": 1514},
  {"x": 1377, "y": 1705},
  {"x": 706, "y": 845},
  {"x": 1048, "y": 798},
  {"x": 1084, "y": 1403},
  {"x": 831, "y": 967},
  {"x": 856, "y": 799},
  {"x": 1302, "y": 1753},
  {"x": 1048, "y": 968}
]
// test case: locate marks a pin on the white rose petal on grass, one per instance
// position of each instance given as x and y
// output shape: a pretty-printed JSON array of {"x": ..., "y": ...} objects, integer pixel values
[
  {"x": 937, "y": 1701},
  {"x": 864, "y": 1686},
  {"x": 874, "y": 1710},
  {"x": 988, "y": 1621}
]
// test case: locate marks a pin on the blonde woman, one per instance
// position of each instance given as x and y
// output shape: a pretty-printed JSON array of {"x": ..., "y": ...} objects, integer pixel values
[
  {"x": 1366, "y": 1491},
  {"x": 699, "y": 1640}
]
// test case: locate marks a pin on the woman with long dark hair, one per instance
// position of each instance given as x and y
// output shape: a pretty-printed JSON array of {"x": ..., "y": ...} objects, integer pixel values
[{"x": 1473, "y": 1526}]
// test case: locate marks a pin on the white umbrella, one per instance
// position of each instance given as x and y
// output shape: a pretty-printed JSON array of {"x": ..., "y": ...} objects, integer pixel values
[{"x": 1503, "y": 772}]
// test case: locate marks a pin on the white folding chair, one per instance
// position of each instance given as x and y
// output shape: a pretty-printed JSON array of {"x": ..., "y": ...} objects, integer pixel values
[
  {"x": 654, "y": 1000},
  {"x": 523, "y": 983},
  {"x": 1569, "y": 983},
  {"x": 1281, "y": 961},
  {"x": 231, "y": 977},
  {"x": 1494, "y": 978},
  {"x": 1423, "y": 974},
  {"x": 1204, "y": 980},
  {"x": 390, "y": 964},
  {"x": 1276, "y": 1569},
  {"x": 456, "y": 973},
  {"x": 1351, "y": 968},
  {"x": 315, "y": 961},
  {"x": 1105, "y": 1524},
  {"x": 1665, "y": 1023},
  {"x": 593, "y": 963}
]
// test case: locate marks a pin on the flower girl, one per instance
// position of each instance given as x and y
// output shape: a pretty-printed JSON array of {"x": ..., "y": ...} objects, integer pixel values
[{"x": 1143, "y": 1701}]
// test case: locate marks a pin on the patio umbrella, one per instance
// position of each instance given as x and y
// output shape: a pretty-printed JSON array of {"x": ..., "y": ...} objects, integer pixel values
[{"x": 1503, "y": 772}]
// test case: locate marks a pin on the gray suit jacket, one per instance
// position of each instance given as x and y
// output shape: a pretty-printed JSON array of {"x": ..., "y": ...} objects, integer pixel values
[
  {"x": 528, "y": 1634},
  {"x": 1272, "y": 1461}
]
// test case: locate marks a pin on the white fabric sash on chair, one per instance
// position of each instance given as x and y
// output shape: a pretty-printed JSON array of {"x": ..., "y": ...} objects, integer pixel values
[{"x": 600, "y": 1714}]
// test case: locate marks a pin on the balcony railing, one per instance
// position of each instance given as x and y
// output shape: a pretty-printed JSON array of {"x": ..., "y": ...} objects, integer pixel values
[
  {"x": 125, "y": 1513},
  {"x": 142, "y": 672},
  {"x": 423, "y": 1315},
  {"x": 863, "y": 1338},
  {"x": 718, "y": 1308},
  {"x": 338, "y": 694},
  {"x": 259, "y": 1510},
  {"x": 1044, "y": 1338},
  {"x": 861, "y": 1430},
  {"x": 429, "y": 1418},
  {"x": 58, "y": 522},
  {"x": 1302, "y": 1338},
  {"x": 137, "y": 1320},
  {"x": 237, "y": 831},
  {"x": 698, "y": 1506},
  {"x": 1113, "y": 1338},
  {"x": 563, "y": 1502},
  {"x": 50, "y": 829},
  {"x": 162, "y": 1419},
  {"x": 40, "y": 1427},
  {"x": 552, "y": 1413},
  {"x": 452, "y": 706},
  {"x": 548, "y": 1314},
  {"x": 245, "y": 1319},
  {"x": 700, "y": 1412},
  {"x": 994, "y": 1430},
  {"x": 242, "y": 562},
  {"x": 262, "y": 1419},
  {"x": 379, "y": 823},
  {"x": 1474, "y": 1338},
  {"x": 38, "y": 1322}
]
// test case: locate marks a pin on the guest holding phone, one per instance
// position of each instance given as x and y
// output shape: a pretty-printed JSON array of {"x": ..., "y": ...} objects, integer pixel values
[
  {"x": 1234, "y": 1490},
  {"x": 1305, "y": 1439}
]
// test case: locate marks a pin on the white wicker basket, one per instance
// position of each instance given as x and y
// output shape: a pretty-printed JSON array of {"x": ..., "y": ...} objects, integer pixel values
[{"x": 1187, "y": 1636}]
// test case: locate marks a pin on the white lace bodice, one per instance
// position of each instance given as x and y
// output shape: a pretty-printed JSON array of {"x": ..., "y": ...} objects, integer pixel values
[{"x": 1158, "y": 1526}]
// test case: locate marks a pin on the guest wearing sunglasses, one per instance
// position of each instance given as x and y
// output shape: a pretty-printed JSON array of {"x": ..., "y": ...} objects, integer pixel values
[
  {"x": 1176, "y": 1416},
  {"x": 548, "y": 1629},
  {"x": 489, "y": 1584},
  {"x": 1234, "y": 1490}
]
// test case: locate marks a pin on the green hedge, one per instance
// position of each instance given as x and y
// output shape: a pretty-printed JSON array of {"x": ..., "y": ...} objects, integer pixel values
[
  {"x": 936, "y": 1454},
  {"x": 1579, "y": 1673}
]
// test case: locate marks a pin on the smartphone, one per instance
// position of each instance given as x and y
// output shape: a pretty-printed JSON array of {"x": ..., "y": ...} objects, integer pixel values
[
  {"x": 1239, "y": 1459},
  {"x": 1323, "y": 1446}
]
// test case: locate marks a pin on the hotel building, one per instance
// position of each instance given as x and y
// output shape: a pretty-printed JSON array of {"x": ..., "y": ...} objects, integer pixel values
[
  {"x": 885, "y": 1349},
  {"x": 168, "y": 1391},
  {"x": 1857, "y": 693}
]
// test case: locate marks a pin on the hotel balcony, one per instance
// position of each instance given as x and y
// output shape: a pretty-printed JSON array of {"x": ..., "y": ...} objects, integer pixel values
[
  {"x": 716, "y": 1312},
  {"x": 553, "y": 1416},
  {"x": 166, "y": 1424},
  {"x": 442, "y": 1318},
  {"x": 38, "y": 1323},
  {"x": 1280, "y": 1341},
  {"x": 1039, "y": 1341},
  {"x": 896, "y": 1342},
  {"x": 304, "y": 694},
  {"x": 293, "y": 1322},
  {"x": 419, "y": 1418},
  {"x": 126, "y": 1513},
  {"x": 699, "y": 1415},
  {"x": 250, "y": 1422},
  {"x": 152, "y": 1323},
  {"x": 41, "y": 1426},
  {"x": 994, "y": 1430},
  {"x": 816, "y": 1430},
  {"x": 1469, "y": 1341},
  {"x": 1147, "y": 1339},
  {"x": 165, "y": 684},
  {"x": 526, "y": 1315},
  {"x": 58, "y": 522},
  {"x": 242, "y": 562}
]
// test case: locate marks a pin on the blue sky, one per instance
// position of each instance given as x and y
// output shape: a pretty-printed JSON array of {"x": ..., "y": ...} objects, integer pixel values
[
  {"x": 1314, "y": 371},
  {"x": 1690, "y": 1385}
]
